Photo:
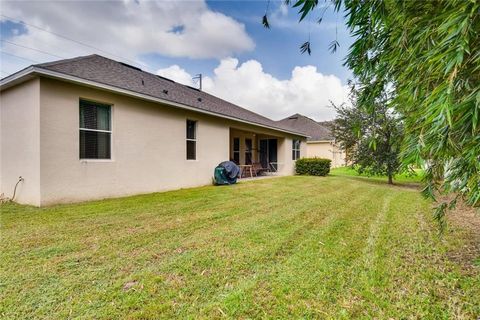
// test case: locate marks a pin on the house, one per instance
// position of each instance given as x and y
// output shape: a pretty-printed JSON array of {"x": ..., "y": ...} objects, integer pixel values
[
  {"x": 320, "y": 142},
  {"x": 92, "y": 128}
]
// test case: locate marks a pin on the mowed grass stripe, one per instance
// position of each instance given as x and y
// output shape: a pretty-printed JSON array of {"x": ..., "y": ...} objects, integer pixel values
[
  {"x": 286, "y": 247},
  {"x": 273, "y": 234},
  {"x": 110, "y": 253},
  {"x": 300, "y": 247},
  {"x": 305, "y": 277}
]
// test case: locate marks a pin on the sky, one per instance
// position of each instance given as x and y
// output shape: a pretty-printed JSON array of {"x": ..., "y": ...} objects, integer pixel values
[{"x": 240, "y": 60}]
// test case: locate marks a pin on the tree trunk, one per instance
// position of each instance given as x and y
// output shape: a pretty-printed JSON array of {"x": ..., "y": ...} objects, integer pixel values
[{"x": 390, "y": 178}]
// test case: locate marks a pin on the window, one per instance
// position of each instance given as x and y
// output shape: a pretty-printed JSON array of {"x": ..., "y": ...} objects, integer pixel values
[
  {"x": 248, "y": 151},
  {"x": 236, "y": 150},
  {"x": 191, "y": 140},
  {"x": 95, "y": 130},
  {"x": 295, "y": 149}
]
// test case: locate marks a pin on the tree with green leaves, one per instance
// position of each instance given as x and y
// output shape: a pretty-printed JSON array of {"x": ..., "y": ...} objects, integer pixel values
[
  {"x": 426, "y": 54},
  {"x": 373, "y": 139}
]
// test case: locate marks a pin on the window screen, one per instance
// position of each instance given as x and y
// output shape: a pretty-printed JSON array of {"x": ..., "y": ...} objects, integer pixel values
[
  {"x": 248, "y": 151},
  {"x": 95, "y": 130},
  {"x": 295, "y": 149},
  {"x": 236, "y": 150},
  {"x": 191, "y": 140}
]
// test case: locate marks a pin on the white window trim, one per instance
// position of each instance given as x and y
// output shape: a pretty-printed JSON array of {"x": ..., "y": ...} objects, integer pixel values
[
  {"x": 295, "y": 149},
  {"x": 190, "y": 139},
  {"x": 239, "y": 147},
  {"x": 96, "y": 130}
]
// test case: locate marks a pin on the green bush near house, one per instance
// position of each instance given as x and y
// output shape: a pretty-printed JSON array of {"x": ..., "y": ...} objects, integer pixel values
[{"x": 312, "y": 166}]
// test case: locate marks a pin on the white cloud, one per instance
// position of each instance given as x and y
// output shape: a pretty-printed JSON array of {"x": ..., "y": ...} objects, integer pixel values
[
  {"x": 281, "y": 18},
  {"x": 176, "y": 74},
  {"x": 170, "y": 28},
  {"x": 126, "y": 29},
  {"x": 283, "y": 9},
  {"x": 308, "y": 91}
]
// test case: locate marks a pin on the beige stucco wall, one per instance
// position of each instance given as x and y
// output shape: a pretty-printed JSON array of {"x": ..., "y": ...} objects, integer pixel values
[
  {"x": 328, "y": 150},
  {"x": 39, "y": 140},
  {"x": 148, "y": 147},
  {"x": 20, "y": 141}
]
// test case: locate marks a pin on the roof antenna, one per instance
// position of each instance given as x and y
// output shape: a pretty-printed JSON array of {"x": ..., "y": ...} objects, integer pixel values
[{"x": 198, "y": 78}]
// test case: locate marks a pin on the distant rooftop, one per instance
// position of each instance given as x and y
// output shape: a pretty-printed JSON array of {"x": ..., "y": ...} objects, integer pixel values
[{"x": 317, "y": 131}]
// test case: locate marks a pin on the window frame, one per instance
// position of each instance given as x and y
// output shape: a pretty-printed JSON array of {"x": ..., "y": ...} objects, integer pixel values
[
  {"x": 248, "y": 152},
  {"x": 187, "y": 139},
  {"x": 296, "y": 146},
  {"x": 236, "y": 152},
  {"x": 110, "y": 105}
]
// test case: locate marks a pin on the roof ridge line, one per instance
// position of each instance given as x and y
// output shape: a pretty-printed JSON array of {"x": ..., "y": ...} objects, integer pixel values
[
  {"x": 114, "y": 75},
  {"x": 62, "y": 61}
]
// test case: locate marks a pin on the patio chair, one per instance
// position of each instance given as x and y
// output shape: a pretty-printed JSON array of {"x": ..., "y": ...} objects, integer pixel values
[{"x": 258, "y": 169}]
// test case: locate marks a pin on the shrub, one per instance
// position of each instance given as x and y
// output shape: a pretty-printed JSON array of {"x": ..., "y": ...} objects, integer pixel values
[{"x": 312, "y": 166}]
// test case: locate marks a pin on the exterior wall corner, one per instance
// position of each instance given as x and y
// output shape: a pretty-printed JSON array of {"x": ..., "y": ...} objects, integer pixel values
[{"x": 20, "y": 142}]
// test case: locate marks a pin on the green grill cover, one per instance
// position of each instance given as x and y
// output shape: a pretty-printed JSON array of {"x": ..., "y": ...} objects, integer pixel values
[
  {"x": 221, "y": 176},
  {"x": 226, "y": 172}
]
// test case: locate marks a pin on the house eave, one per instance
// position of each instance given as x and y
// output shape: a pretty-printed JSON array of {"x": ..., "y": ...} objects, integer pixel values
[
  {"x": 17, "y": 78},
  {"x": 320, "y": 141},
  {"x": 33, "y": 71}
]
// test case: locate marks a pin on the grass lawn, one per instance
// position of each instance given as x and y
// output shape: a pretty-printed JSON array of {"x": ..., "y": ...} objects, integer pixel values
[
  {"x": 293, "y": 247},
  {"x": 399, "y": 178}
]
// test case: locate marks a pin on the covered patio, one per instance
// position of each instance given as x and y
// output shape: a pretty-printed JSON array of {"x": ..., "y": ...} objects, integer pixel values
[{"x": 257, "y": 154}]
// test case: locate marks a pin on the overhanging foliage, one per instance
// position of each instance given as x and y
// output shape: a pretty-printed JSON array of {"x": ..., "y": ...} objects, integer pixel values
[{"x": 426, "y": 55}]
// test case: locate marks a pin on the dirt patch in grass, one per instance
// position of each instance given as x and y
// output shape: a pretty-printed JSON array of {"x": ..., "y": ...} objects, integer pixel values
[
  {"x": 379, "y": 181},
  {"x": 468, "y": 219},
  {"x": 129, "y": 285},
  {"x": 4, "y": 198}
]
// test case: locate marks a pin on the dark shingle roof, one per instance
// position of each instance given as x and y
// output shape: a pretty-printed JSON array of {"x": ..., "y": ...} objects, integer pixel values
[
  {"x": 113, "y": 73},
  {"x": 316, "y": 130}
]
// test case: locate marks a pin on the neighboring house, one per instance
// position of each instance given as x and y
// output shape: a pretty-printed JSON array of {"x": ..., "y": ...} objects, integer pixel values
[
  {"x": 320, "y": 142},
  {"x": 91, "y": 128}
]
